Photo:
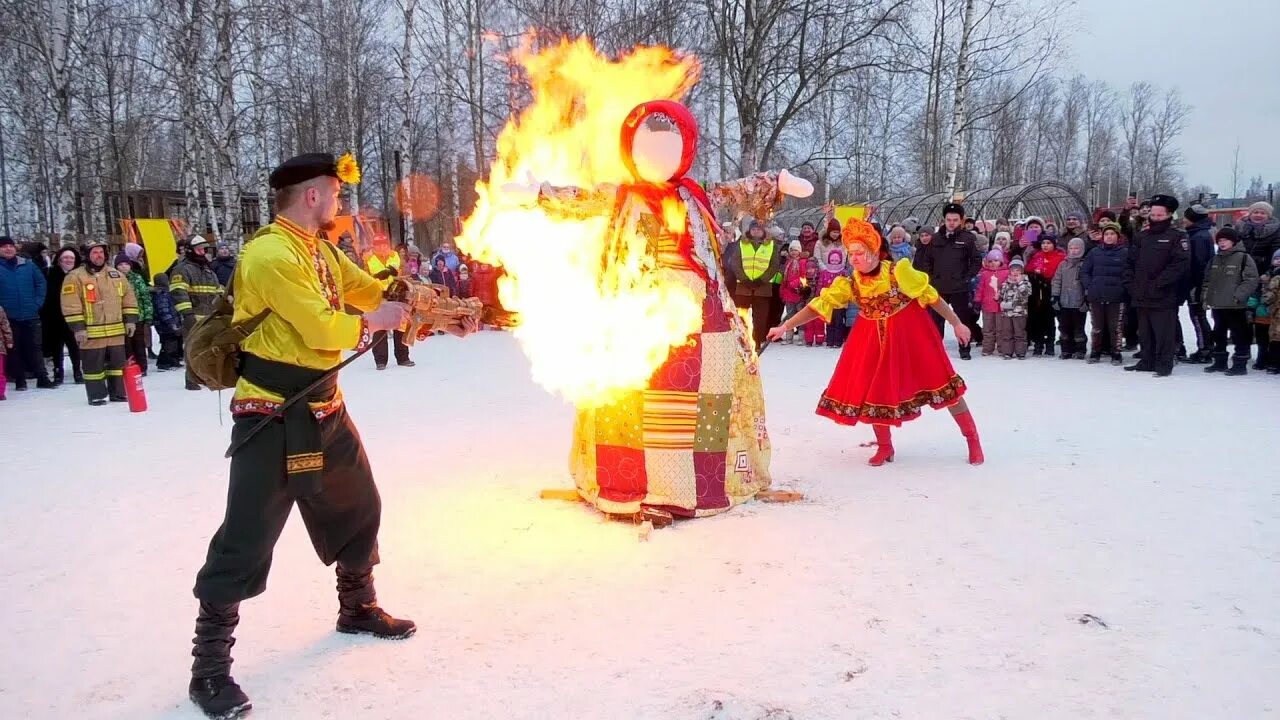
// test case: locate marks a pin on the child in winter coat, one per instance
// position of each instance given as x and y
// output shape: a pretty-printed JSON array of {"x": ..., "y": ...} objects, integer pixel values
[
  {"x": 1041, "y": 267},
  {"x": 1069, "y": 303},
  {"x": 135, "y": 346},
  {"x": 1271, "y": 302},
  {"x": 1231, "y": 280},
  {"x": 1015, "y": 294},
  {"x": 1264, "y": 320},
  {"x": 832, "y": 261},
  {"x": 168, "y": 324},
  {"x": 6, "y": 343},
  {"x": 464, "y": 281},
  {"x": 986, "y": 298},
  {"x": 795, "y": 285},
  {"x": 900, "y": 244},
  {"x": 1102, "y": 274}
]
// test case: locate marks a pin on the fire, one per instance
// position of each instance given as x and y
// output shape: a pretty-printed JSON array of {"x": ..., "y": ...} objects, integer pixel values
[{"x": 597, "y": 316}]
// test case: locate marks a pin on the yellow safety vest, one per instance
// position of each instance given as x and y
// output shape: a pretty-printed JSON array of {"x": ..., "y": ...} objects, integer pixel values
[
  {"x": 376, "y": 266},
  {"x": 755, "y": 260}
]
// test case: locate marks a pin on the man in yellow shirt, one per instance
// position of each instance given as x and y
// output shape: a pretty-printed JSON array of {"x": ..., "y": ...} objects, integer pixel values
[
  {"x": 314, "y": 458},
  {"x": 383, "y": 263}
]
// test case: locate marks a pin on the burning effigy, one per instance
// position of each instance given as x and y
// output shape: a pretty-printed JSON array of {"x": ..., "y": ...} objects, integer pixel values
[{"x": 612, "y": 262}]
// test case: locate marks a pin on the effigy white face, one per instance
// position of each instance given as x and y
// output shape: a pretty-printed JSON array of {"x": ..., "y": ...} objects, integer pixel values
[{"x": 657, "y": 154}]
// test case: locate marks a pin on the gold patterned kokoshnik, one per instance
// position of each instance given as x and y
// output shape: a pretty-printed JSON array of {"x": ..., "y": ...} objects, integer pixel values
[{"x": 305, "y": 462}]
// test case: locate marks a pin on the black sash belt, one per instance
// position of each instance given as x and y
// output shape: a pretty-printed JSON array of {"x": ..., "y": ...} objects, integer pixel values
[{"x": 304, "y": 453}]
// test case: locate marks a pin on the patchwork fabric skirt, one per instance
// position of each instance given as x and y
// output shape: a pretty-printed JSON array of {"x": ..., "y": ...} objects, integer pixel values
[
  {"x": 694, "y": 442},
  {"x": 891, "y": 368}
]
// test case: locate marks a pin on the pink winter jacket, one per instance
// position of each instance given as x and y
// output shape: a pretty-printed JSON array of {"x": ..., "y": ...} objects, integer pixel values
[
  {"x": 794, "y": 279},
  {"x": 987, "y": 298}
]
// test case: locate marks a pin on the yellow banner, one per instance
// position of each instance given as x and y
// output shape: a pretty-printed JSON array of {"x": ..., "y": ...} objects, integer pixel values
[{"x": 162, "y": 248}]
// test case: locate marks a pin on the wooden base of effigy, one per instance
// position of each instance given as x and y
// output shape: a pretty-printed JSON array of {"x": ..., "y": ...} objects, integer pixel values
[{"x": 649, "y": 518}]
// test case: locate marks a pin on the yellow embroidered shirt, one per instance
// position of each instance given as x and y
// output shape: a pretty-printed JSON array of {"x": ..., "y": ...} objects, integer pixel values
[
  {"x": 305, "y": 286},
  {"x": 911, "y": 282}
]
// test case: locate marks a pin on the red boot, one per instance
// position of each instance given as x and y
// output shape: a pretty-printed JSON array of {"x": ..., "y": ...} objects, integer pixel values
[
  {"x": 884, "y": 446},
  {"x": 970, "y": 430}
]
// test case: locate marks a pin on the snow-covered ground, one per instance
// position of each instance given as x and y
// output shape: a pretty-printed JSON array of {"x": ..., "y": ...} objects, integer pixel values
[{"x": 925, "y": 589}]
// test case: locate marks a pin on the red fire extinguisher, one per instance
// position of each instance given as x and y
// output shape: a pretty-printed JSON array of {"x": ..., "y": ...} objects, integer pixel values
[{"x": 133, "y": 387}]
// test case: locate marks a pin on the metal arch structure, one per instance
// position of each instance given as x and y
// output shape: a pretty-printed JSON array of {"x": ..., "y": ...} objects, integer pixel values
[{"x": 1049, "y": 199}]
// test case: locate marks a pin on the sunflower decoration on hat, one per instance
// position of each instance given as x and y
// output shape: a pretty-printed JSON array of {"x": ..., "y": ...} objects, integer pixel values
[{"x": 347, "y": 169}]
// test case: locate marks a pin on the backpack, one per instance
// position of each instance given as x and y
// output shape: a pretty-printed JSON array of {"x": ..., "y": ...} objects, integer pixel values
[{"x": 213, "y": 345}]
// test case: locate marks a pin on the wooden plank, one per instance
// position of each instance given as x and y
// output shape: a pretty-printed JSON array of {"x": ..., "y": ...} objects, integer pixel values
[
  {"x": 568, "y": 494},
  {"x": 779, "y": 496}
]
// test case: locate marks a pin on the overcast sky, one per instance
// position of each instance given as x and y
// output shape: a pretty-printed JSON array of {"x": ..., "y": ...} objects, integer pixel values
[{"x": 1222, "y": 54}]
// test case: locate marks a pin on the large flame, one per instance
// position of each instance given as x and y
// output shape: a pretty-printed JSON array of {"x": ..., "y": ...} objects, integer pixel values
[{"x": 597, "y": 317}]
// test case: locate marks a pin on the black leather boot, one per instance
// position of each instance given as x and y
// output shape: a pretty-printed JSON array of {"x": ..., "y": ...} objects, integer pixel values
[
  {"x": 212, "y": 688},
  {"x": 1239, "y": 365},
  {"x": 358, "y": 611},
  {"x": 1219, "y": 363}
]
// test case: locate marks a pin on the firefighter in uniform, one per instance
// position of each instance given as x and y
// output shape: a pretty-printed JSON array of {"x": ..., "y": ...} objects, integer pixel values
[
  {"x": 383, "y": 264},
  {"x": 101, "y": 310},
  {"x": 313, "y": 456},
  {"x": 195, "y": 289}
]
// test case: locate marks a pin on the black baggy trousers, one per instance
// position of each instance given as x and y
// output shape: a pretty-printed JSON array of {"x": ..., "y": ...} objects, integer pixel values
[{"x": 342, "y": 519}]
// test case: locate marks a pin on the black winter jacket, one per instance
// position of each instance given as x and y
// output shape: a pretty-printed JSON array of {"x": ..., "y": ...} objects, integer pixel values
[
  {"x": 952, "y": 261},
  {"x": 1103, "y": 274},
  {"x": 224, "y": 268},
  {"x": 1200, "y": 238},
  {"x": 1158, "y": 267},
  {"x": 1261, "y": 241}
]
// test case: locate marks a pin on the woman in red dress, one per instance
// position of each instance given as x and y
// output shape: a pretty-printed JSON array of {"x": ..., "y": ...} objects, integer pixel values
[{"x": 894, "y": 362}]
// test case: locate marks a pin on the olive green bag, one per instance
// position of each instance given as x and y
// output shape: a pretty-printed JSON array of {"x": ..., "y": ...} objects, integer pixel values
[{"x": 213, "y": 345}]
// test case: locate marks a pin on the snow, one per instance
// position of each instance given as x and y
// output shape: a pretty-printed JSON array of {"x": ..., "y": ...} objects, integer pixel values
[{"x": 924, "y": 589}]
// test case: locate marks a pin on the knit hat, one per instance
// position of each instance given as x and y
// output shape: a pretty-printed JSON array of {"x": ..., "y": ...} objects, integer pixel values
[
  {"x": 1227, "y": 233},
  {"x": 795, "y": 245},
  {"x": 833, "y": 225},
  {"x": 1107, "y": 215},
  {"x": 1075, "y": 244},
  {"x": 1035, "y": 219},
  {"x": 122, "y": 258},
  {"x": 1075, "y": 216},
  {"x": 1003, "y": 234},
  {"x": 995, "y": 254},
  {"x": 133, "y": 250},
  {"x": 1017, "y": 263},
  {"x": 1263, "y": 206},
  {"x": 1275, "y": 257},
  {"x": 1196, "y": 212},
  {"x": 6, "y": 240}
]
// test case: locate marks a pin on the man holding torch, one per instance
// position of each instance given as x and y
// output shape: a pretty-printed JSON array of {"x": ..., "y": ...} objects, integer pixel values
[{"x": 295, "y": 286}]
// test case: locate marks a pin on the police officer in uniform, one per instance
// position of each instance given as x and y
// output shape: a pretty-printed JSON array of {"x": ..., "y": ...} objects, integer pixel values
[
  {"x": 314, "y": 458},
  {"x": 1158, "y": 265},
  {"x": 195, "y": 289},
  {"x": 101, "y": 311}
]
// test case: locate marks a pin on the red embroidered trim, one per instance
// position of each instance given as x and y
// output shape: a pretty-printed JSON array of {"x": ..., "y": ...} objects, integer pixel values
[
  {"x": 259, "y": 406},
  {"x": 366, "y": 337}
]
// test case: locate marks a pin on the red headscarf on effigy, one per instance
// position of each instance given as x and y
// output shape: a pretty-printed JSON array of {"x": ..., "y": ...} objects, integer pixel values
[{"x": 654, "y": 193}]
